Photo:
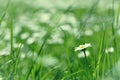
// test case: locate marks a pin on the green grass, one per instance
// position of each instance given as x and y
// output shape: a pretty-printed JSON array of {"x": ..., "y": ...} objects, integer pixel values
[{"x": 40, "y": 41}]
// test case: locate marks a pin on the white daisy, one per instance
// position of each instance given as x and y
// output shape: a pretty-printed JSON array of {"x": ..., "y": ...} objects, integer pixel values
[{"x": 82, "y": 47}]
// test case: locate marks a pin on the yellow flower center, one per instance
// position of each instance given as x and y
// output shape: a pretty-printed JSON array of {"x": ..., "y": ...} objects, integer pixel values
[{"x": 82, "y": 46}]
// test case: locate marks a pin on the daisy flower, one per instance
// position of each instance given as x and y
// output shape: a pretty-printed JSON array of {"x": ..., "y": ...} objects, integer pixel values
[{"x": 82, "y": 47}]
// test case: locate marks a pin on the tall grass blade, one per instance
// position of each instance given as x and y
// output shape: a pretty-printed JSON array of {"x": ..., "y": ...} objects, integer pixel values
[
  {"x": 32, "y": 67},
  {"x": 4, "y": 13}
]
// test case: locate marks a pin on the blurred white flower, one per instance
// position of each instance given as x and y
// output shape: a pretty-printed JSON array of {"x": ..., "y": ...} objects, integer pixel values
[
  {"x": 1, "y": 78},
  {"x": 49, "y": 61},
  {"x": 22, "y": 55},
  {"x": 17, "y": 30},
  {"x": 96, "y": 28},
  {"x": 3, "y": 23},
  {"x": 17, "y": 45},
  {"x": 7, "y": 36},
  {"x": 56, "y": 38},
  {"x": 82, "y": 55},
  {"x": 66, "y": 27},
  {"x": 82, "y": 47},
  {"x": 88, "y": 32},
  {"x": 24, "y": 35},
  {"x": 30, "y": 40},
  {"x": 5, "y": 51},
  {"x": 68, "y": 19},
  {"x": 45, "y": 17},
  {"x": 118, "y": 32},
  {"x": 109, "y": 50}
]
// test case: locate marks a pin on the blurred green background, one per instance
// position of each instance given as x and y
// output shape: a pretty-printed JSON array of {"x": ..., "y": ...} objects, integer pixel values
[{"x": 38, "y": 38}]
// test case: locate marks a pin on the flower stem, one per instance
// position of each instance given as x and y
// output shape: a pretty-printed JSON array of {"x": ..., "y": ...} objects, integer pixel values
[
  {"x": 85, "y": 56},
  {"x": 86, "y": 59}
]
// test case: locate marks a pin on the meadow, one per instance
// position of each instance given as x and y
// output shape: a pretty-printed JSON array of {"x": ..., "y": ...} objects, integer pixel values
[{"x": 59, "y": 39}]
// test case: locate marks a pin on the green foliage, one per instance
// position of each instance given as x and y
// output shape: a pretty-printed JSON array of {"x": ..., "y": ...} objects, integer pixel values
[{"x": 38, "y": 39}]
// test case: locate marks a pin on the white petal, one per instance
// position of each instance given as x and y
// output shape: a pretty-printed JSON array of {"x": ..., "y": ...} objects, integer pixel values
[
  {"x": 77, "y": 48},
  {"x": 82, "y": 55},
  {"x": 87, "y": 45}
]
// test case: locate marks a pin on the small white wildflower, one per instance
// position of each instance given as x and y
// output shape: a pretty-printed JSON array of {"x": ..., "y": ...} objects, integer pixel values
[
  {"x": 45, "y": 17},
  {"x": 24, "y": 35},
  {"x": 22, "y": 56},
  {"x": 66, "y": 27},
  {"x": 7, "y": 36},
  {"x": 5, "y": 51},
  {"x": 17, "y": 45},
  {"x": 30, "y": 40},
  {"x": 89, "y": 32},
  {"x": 49, "y": 61},
  {"x": 82, "y": 47},
  {"x": 96, "y": 28},
  {"x": 109, "y": 50}
]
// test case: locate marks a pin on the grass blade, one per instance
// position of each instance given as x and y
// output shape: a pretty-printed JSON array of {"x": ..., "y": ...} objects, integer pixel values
[{"x": 32, "y": 67}]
